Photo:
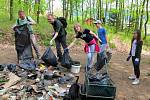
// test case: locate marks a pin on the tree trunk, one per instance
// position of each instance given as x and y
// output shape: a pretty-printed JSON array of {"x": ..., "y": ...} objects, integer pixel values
[
  {"x": 38, "y": 10},
  {"x": 141, "y": 19},
  {"x": 82, "y": 12},
  {"x": 137, "y": 16},
  {"x": 145, "y": 25},
  {"x": 100, "y": 7},
  {"x": 52, "y": 6},
  {"x": 116, "y": 16},
  {"x": 11, "y": 9},
  {"x": 77, "y": 11},
  {"x": 64, "y": 7},
  {"x": 90, "y": 9}
]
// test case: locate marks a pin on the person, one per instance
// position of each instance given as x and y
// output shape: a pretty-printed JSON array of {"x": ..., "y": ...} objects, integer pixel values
[
  {"x": 91, "y": 45},
  {"x": 23, "y": 19},
  {"x": 102, "y": 35},
  {"x": 135, "y": 53},
  {"x": 59, "y": 35}
]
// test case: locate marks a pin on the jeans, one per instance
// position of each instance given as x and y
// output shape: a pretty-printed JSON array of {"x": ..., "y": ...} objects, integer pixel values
[
  {"x": 136, "y": 67},
  {"x": 90, "y": 56},
  {"x": 103, "y": 47},
  {"x": 60, "y": 41},
  {"x": 35, "y": 45}
]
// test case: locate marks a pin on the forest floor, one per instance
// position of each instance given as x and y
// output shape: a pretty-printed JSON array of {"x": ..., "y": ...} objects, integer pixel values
[
  {"x": 119, "y": 68},
  {"x": 119, "y": 71}
]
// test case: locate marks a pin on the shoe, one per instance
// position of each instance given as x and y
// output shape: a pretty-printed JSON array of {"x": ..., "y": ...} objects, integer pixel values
[
  {"x": 136, "y": 82},
  {"x": 132, "y": 77}
]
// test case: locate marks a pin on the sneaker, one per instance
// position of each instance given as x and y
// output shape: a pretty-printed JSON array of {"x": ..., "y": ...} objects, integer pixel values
[
  {"x": 136, "y": 82},
  {"x": 132, "y": 77}
]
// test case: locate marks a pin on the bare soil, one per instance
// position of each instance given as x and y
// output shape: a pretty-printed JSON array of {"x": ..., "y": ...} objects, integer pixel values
[{"x": 119, "y": 71}]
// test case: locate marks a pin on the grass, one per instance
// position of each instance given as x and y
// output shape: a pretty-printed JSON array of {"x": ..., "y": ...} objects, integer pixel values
[{"x": 44, "y": 30}]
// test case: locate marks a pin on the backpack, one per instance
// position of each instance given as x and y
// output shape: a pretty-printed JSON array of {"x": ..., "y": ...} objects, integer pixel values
[
  {"x": 26, "y": 18},
  {"x": 63, "y": 21}
]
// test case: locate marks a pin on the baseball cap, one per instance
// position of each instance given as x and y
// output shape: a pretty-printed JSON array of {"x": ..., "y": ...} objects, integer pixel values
[{"x": 97, "y": 22}]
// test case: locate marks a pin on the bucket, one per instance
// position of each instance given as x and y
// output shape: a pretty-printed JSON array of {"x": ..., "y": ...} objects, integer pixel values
[{"x": 75, "y": 68}]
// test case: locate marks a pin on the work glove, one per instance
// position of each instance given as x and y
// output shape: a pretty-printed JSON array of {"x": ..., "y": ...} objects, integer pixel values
[
  {"x": 51, "y": 43},
  {"x": 136, "y": 62},
  {"x": 128, "y": 57},
  {"x": 66, "y": 50}
]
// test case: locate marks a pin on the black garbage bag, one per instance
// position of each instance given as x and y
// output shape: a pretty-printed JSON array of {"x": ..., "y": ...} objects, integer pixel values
[
  {"x": 49, "y": 57},
  {"x": 2, "y": 66},
  {"x": 66, "y": 60},
  {"x": 101, "y": 60},
  {"x": 22, "y": 42},
  {"x": 11, "y": 67},
  {"x": 28, "y": 65}
]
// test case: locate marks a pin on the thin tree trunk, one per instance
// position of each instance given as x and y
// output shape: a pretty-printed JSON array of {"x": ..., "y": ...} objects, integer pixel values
[
  {"x": 141, "y": 20},
  {"x": 82, "y": 12},
  {"x": 77, "y": 10},
  {"x": 38, "y": 10},
  {"x": 90, "y": 9},
  {"x": 116, "y": 16},
  {"x": 11, "y": 9},
  {"x": 137, "y": 16},
  {"x": 52, "y": 6},
  {"x": 145, "y": 25},
  {"x": 100, "y": 7}
]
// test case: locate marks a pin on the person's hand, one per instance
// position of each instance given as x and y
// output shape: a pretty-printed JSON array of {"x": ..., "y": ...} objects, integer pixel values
[
  {"x": 66, "y": 50},
  {"x": 51, "y": 43},
  {"x": 128, "y": 57},
  {"x": 136, "y": 62}
]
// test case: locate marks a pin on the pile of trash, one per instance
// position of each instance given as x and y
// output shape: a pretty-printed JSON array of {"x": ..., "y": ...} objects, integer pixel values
[{"x": 32, "y": 81}]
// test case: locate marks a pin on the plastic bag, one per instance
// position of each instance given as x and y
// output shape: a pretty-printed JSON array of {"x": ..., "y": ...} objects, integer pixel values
[
  {"x": 101, "y": 57},
  {"x": 66, "y": 60},
  {"x": 28, "y": 65},
  {"x": 49, "y": 57}
]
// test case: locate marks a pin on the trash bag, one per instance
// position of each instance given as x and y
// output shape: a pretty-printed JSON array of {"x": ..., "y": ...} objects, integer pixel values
[
  {"x": 66, "y": 60},
  {"x": 49, "y": 57},
  {"x": 28, "y": 65},
  {"x": 2, "y": 66},
  {"x": 23, "y": 43},
  {"x": 101, "y": 57},
  {"x": 11, "y": 67}
]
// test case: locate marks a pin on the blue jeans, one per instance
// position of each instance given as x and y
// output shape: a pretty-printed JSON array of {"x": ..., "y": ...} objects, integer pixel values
[
  {"x": 90, "y": 56},
  {"x": 103, "y": 47}
]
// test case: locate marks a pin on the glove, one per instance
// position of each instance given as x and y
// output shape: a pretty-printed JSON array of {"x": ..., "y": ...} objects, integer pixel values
[
  {"x": 136, "y": 62},
  {"x": 128, "y": 57},
  {"x": 51, "y": 42},
  {"x": 66, "y": 50}
]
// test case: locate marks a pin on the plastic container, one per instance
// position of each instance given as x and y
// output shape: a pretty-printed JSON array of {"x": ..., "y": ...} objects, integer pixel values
[{"x": 75, "y": 68}]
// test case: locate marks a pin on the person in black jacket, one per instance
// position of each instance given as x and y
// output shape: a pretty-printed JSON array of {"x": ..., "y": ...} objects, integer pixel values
[
  {"x": 135, "y": 53},
  {"x": 59, "y": 35}
]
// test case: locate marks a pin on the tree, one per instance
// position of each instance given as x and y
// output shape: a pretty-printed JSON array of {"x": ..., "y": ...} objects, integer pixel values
[
  {"x": 38, "y": 9},
  {"x": 142, "y": 12},
  {"x": 146, "y": 20},
  {"x": 11, "y": 9}
]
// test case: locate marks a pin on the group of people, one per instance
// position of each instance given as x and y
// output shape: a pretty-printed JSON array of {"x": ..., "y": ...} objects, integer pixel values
[{"x": 93, "y": 42}]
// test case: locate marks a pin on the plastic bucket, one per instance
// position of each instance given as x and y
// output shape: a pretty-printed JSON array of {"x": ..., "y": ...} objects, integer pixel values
[{"x": 75, "y": 68}]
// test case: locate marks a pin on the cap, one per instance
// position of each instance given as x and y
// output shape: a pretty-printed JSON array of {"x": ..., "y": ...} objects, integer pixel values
[{"x": 97, "y": 22}]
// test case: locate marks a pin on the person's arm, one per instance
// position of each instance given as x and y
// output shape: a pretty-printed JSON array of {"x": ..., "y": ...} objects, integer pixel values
[
  {"x": 56, "y": 32},
  {"x": 92, "y": 33},
  {"x": 55, "y": 36},
  {"x": 72, "y": 43},
  {"x": 31, "y": 21}
]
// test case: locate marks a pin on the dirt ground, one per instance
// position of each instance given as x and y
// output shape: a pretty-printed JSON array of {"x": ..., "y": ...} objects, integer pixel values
[{"x": 119, "y": 71}]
